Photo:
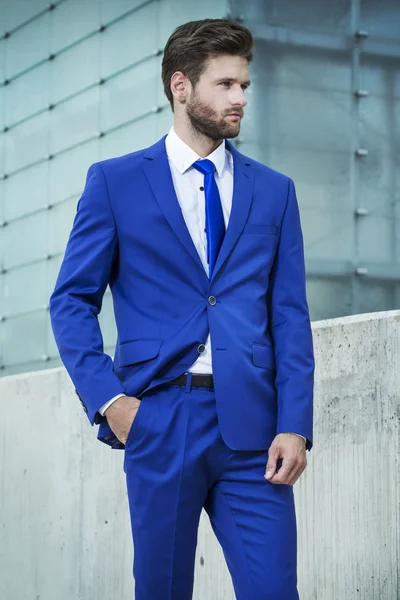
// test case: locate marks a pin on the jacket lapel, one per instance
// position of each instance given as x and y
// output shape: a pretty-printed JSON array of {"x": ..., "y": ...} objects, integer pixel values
[{"x": 158, "y": 174}]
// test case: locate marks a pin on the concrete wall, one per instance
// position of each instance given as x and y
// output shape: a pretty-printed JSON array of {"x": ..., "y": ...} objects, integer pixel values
[{"x": 64, "y": 520}]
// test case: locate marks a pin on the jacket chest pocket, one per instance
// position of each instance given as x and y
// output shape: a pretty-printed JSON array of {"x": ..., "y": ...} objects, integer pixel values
[{"x": 261, "y": 229}]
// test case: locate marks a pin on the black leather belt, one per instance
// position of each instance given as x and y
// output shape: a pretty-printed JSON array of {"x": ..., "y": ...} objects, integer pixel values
[{"x": 198, "y": 380}]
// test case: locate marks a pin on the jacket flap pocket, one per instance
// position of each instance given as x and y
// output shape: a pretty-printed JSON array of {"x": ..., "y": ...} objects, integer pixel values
[
  {"x": 263, "y": 356},
  {"x": 138, "y": 350}
]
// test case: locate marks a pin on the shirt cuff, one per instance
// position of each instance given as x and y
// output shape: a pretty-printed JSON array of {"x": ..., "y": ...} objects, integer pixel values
[
  {"x": 302, "y": 436},
  {"x": 103, "y": 408}
]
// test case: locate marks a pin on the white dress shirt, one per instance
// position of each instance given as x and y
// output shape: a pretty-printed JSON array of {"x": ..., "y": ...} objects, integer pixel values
[{"x": 188, "y": 183}]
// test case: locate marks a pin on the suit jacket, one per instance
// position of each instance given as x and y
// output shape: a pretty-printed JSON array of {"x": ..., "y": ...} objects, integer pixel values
[{"x": 129, "y": 233}]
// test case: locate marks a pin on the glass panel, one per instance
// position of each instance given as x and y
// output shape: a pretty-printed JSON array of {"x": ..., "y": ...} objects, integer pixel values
[
  {"x": 2, "y": 113},
  {"x": 376, "y": 239},
  {"x": 129, "y": 40},
  {"x": 24, "y": 289},
  {"x": 61, "y": 218},
  {"x": 73, "y": 20},
  {"x": 328, "y": 298},
  {"x": 52, "y": 350},
  {"x": 297, "y": 103},
  {"x": 28, "y": 45},
  {"x": 67, "y": 171},
  {"x": 17, "y": 13},
  {"x": 381, "y": 19},
  {"x": 53, "y": 268},
  {"x": 75, "y": 121},
  {"x": 377, "y": 173},
  {"x": 107, "y": 323},
  {"x": 25, "y": 240},
  {"x": 26, "y": 191},
  {"x": 172, "y": 14},
  {"x": 161, "y": 98},
  {"x": 128, "y": 95},
  {"x": 27, "y": 95},
  {"x": 24, "y": 338},
  {"x": 28, "y": 367},
  {"x": 375, "y": 296},
  {"x": 164, "y": 121},
  {"x": 315, "y": 14},
  {"x": 116, "y": 8},
  {"x": 75, "y": 69},
  {"x": 129, "y": 139},
  {"x": 26, "y": 143}
]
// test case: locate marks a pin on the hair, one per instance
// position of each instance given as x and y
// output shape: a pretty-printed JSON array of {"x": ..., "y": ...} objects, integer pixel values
[{"x": 193, "y": 43}]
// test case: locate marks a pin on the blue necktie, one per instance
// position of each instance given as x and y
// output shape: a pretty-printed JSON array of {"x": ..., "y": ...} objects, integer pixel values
[{"x": 215, "y": 225}]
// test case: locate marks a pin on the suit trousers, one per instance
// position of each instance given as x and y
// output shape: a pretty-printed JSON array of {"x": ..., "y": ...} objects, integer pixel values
[{"x": 176, "y": 463}]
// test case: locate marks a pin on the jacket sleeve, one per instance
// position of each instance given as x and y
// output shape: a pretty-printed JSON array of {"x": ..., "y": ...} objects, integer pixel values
[
  {"x": 290, "y": 327},
  {"x": 78, "y": 294}
]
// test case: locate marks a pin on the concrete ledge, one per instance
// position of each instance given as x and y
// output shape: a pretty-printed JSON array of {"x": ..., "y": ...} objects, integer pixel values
[{"x": 65, "y": 526}]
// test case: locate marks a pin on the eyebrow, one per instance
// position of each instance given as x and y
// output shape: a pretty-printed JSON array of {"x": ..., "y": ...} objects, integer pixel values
[{"x": 248, "y": 82}]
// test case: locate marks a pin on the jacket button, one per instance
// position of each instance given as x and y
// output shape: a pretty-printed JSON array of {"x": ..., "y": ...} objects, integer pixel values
[
  {"x": 201, "y": 348},
  {"x": 212, "y": 300}
]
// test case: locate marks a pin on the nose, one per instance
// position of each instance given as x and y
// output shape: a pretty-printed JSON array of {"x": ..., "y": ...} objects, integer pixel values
[{"x": 239, "y": 99}]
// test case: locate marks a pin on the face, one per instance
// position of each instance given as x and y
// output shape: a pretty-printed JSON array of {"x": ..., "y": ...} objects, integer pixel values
[{"x": 219, "y": 93}]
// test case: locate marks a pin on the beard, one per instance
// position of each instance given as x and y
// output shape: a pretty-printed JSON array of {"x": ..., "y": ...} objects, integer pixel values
[{"x": 206, "y": 121}]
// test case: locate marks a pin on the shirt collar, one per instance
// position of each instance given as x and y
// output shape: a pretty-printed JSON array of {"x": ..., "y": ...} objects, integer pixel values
[{"x": 183, "y": 156}]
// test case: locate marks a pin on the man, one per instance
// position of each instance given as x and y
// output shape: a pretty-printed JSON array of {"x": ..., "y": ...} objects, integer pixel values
[{"x": 211, "y": 390}]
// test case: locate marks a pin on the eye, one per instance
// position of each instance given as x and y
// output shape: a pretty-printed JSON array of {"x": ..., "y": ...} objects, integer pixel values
[{"x": 244, "y": 85}]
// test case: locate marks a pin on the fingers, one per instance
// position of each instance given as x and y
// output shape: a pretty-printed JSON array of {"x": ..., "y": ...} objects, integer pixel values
[
  {"x": 293, "y": 464},
  {"x": 273, "y": 455},
  {"x": 286, "y": 472}
]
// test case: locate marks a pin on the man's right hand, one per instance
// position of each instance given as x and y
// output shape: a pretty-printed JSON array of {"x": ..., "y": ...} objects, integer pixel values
[{"x": 121, "y": 414}]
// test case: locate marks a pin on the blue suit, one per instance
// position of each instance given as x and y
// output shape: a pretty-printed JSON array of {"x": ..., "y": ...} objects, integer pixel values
[{"x": 129, "y": 232}]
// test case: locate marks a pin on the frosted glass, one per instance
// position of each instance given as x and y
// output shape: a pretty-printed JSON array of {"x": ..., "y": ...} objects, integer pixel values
[
  {"x": 328, "y": 298},
  {"x": 164, "y": 121},
  {"x": 24, "y": 338},
  {"x": 75, "y": 69},
  {"x": 67, "y": 171},
  {"x": 60, "y": 223},
  {"x": 15, "y": 14},
  {"x": 116, "y": 8},
  {"x": 333, "y": 238},
  {"x": 26, "y": 191},
  {"x": 24, "y": 289},
  {"x": 171, "y": 14},
  {"x": 375, "y": 296},
  {"x": 27, "y": 95},
  {"x": 53, "y": 268},
  {"x": 2, "y": 111},
  {"x": 315, "y": 14},
  {"x": 75, "y": 121},
  {"x": 381, "y": 19},
  {"x": 129, "y": 138},
  {"x": 377, "y": 180},
  {"x": 300, "y": 68},
  {"x": 25, "y": 240},
  {"x": 28, "y": 45},
  {"x": 129, "y": 40},
  {"x": 26, "y": 143},
  {"x": 107, "y": 321},
  {"x": 73, "y": 20},
  {"x": 128, "y": 95},
  {"x": 376, "y": 238}
]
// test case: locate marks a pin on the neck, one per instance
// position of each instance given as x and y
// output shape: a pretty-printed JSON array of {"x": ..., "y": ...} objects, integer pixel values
[{"x": 201, "y": 144}]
